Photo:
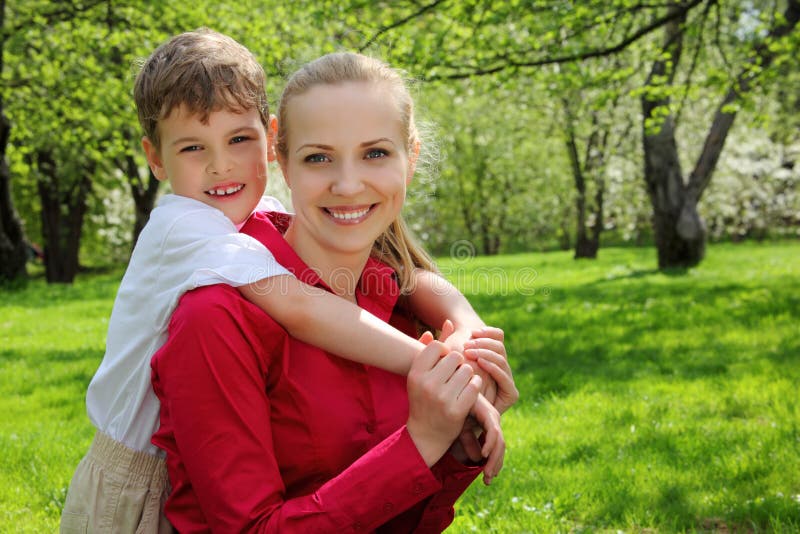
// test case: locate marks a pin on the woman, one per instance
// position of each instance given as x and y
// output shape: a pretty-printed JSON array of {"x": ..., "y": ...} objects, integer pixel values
[{"x": 265, "y": 433}]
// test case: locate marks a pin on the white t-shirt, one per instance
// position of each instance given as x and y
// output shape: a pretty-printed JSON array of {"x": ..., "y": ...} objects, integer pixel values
[{"x": 185, "y": 244}]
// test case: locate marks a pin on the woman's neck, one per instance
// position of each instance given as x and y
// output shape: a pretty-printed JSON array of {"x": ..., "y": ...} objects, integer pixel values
[{"x": 341, "y": 271}]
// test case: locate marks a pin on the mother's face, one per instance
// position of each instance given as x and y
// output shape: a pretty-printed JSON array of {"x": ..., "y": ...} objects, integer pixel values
[{"x": 346, "y": 164}]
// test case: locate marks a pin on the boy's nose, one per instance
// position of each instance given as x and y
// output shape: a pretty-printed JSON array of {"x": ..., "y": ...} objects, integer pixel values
[{"x": 219, "y": 165}]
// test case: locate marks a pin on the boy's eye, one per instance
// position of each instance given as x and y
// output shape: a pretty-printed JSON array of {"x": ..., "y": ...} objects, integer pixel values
[
  {"x": 239, "y": 139},
  {"x": 375, "y": 153},
  {"x": 190, "y": 148},
  {"x": 316, "y": 158}
]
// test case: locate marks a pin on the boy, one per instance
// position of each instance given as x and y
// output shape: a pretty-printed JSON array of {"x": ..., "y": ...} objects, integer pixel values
[{"x": 201, "y": 101}]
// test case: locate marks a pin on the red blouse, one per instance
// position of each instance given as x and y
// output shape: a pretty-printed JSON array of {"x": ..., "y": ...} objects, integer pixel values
[{"x": 264, "y": 433}]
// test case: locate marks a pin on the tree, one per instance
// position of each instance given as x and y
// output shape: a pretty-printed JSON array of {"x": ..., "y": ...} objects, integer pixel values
[
  {"x": 679, "y": 230},
  {"x": 13, "y": 248},
  {"x": 595, "y": 126}
]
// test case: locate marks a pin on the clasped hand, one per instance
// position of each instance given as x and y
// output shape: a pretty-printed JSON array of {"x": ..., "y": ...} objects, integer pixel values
[{"x": 443, "y": 391}]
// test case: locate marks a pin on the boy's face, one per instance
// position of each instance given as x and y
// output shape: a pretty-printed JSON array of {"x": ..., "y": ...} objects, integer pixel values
[{"x": 222, "y": 163}]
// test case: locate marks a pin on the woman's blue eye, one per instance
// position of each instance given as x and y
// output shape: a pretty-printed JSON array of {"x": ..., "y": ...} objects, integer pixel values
[
  {"x": 316, "y": 158},
  {"x": 376, "y": 153}
]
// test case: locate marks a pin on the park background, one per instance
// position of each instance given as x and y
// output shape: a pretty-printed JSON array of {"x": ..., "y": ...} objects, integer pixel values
[{"x": 614, "y": 183}]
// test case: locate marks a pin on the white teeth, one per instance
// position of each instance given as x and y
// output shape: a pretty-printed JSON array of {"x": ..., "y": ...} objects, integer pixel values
[
  {"x": 345, "y": 216},
  {"x": 227, "y": 191}
]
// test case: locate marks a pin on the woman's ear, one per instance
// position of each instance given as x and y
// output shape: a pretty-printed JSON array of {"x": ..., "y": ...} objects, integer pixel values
[
  {"x": 154, "y": 159},
  {"x": 284, "y": 170},
  {"x": 413, "y": 156}
]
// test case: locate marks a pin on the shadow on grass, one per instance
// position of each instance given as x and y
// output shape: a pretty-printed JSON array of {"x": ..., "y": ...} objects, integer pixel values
[
  {"x": 65, "y": 370},
  {"x": 614, "y": 330},
  {"x": 38, "y": 294}
]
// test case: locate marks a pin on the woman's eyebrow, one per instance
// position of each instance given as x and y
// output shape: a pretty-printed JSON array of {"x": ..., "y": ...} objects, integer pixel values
[
  {"x": 313, "y": 145},
  {"x": 376, "y": 141}
]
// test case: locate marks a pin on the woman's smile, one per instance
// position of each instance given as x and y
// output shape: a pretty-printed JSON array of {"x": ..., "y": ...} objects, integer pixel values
[{"x": 349, "y": 215}]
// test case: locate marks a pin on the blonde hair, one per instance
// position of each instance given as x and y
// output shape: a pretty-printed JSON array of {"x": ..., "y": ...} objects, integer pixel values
[
  {"x": 396, "y": 246},
  {"x": 204, "y": 70}
]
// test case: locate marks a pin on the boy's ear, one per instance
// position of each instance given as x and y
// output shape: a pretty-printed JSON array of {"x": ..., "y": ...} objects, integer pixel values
[
  {"x": 413, "y": 156},
  {"x": 154, "y": 159},
  {"x": 272, "y": 138}
]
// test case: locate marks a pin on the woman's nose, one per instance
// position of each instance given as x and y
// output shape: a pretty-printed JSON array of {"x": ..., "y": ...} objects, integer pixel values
[{"x": 348, "y": 181}]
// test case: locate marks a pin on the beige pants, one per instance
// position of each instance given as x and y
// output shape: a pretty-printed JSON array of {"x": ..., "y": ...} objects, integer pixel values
[{"x": 116, "y": 489}]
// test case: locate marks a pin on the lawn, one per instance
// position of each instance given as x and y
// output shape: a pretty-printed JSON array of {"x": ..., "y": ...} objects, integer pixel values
[{"x": 651, "y": 401}]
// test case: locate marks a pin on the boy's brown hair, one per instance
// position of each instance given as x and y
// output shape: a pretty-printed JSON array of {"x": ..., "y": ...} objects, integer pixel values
[{"x": 205, "y": 71}]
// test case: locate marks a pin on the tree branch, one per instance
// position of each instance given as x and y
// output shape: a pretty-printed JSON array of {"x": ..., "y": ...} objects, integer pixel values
[
  {"x": 672, "y": 15},
  {"x": 723, "y": 118},
  {"x": 398, "y": 23}
]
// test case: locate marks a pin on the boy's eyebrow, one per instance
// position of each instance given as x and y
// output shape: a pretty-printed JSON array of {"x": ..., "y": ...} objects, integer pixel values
[
  {"x": 192, "y": 138},
  {"x": 328, "y": 147}
]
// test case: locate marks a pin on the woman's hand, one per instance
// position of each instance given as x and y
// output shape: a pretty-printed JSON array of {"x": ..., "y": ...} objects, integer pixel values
[
  {"x": 441, "y": 392},
  {"x": 486, "y": 348}
]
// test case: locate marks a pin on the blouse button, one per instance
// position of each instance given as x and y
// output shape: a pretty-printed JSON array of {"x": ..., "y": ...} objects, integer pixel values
[
  {"x": 370, "y": 428},
  {"x": 358, "y": 527},
  {"x": 388, "y": 507},
  {"x": 418, "y": 488}
]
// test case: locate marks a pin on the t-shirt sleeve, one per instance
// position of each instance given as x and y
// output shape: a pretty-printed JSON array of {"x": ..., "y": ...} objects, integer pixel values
[
  {"x": 202, "y": 247},
  {"x": 267, "y": 203}
]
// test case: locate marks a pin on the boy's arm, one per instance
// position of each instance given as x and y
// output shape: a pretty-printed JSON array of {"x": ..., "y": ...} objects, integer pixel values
[
  {"x": 333, "y": 324},
  {"x": 435, "y": 300}
]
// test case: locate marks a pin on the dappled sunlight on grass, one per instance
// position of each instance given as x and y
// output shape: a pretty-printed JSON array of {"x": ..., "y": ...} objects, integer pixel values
[{"x": 651, "y": 400}]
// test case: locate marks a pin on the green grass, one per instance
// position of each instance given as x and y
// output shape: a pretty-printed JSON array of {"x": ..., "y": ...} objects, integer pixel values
[{"x": 651, "y": 402}]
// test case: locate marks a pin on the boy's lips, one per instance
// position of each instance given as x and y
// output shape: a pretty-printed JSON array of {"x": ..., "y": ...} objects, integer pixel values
[
  {"x": 225, "y": 190},
  {"x": 349, "y": 214}
]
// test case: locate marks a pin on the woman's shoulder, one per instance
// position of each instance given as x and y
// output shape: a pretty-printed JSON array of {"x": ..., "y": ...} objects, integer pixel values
[{"x": 221, "y": 307}]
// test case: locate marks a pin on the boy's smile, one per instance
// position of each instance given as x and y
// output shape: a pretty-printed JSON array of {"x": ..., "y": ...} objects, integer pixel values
[{"x": 221, "y": 162}]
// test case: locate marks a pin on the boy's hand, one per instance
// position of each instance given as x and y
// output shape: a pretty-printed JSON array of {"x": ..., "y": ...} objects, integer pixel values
[
  {"x": 494, "y": 445},
  {"x": 487, "y": 351},
  {"x": 458, "y": 340}
]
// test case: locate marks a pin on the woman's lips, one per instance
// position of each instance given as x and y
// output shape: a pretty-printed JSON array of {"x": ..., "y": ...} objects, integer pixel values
[{"x": 349, "y": 214}]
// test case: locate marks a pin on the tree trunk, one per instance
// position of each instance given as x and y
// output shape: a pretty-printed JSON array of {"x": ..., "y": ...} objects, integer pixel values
[
  {"x": 144, "y": 196},
  {"x": 13, "y": 247},
  {"x": 677, "y": 245},
  {"x": 586, "y": 244},
  {"x": 62, "y": 219},
  {"x": 679, "y": 232}
]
